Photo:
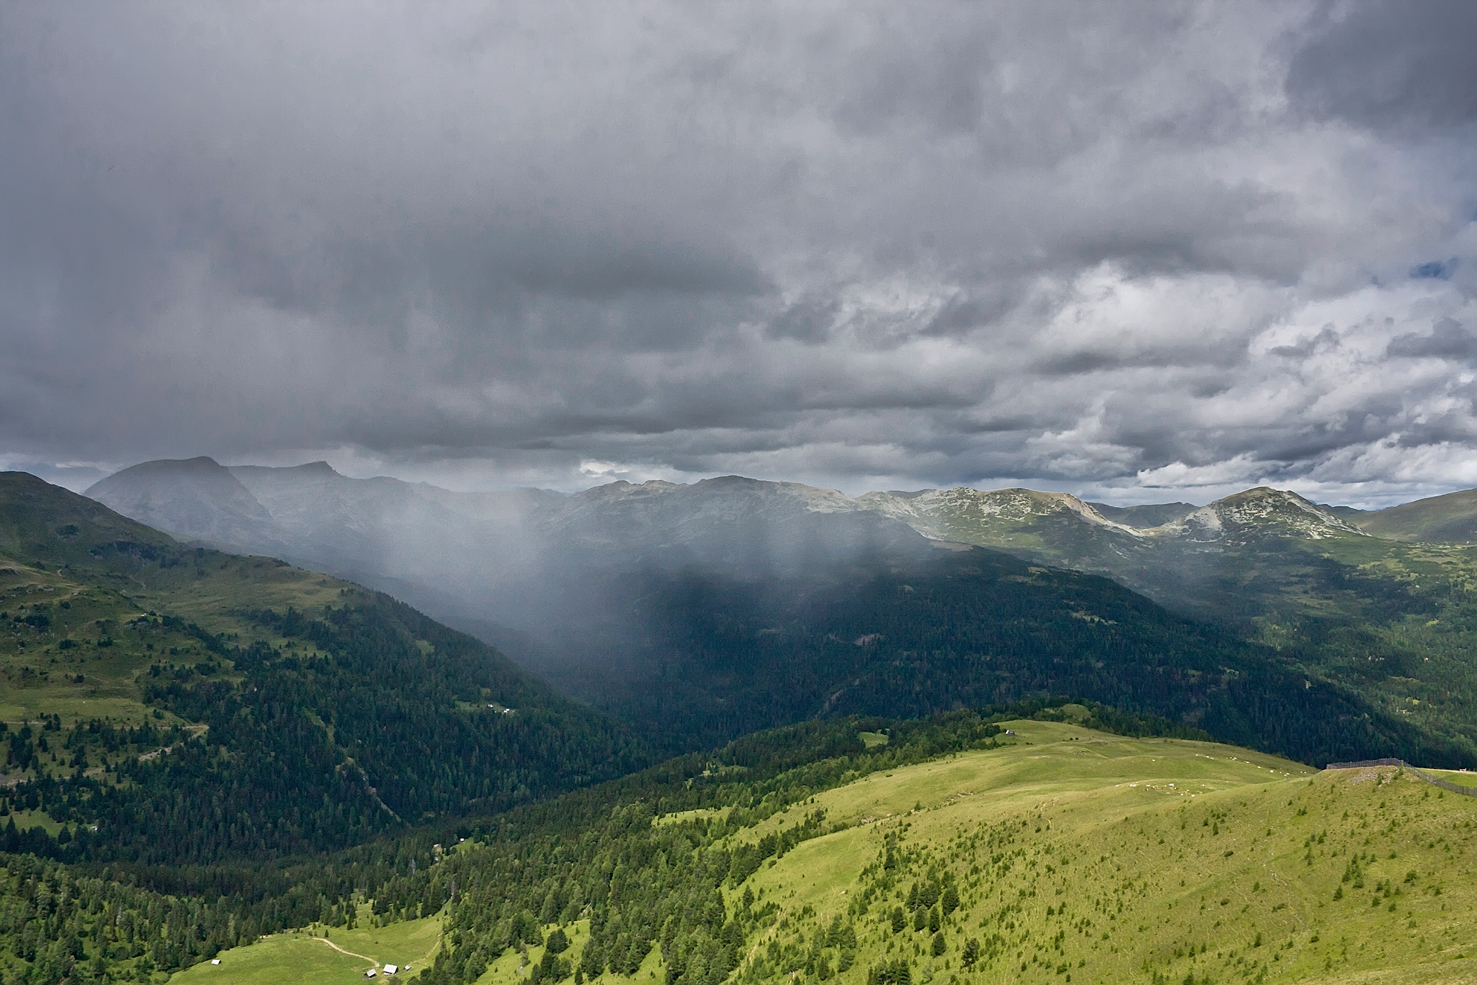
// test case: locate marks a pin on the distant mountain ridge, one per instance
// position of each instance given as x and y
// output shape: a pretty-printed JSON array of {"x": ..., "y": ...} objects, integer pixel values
[
  {"x": 1259, "y": 512},
  {"x": 1448, "y": 519},
  {"x": 471, "y": 554},
  {"x": 262, "y": 507},
  {"x": 197, "y": 497},
  {"x": 965, "y": 513},
  {"x": 608, "y": 592},
  {"x": 942, "y": 512},
  {"x": 426, "y": 543}
]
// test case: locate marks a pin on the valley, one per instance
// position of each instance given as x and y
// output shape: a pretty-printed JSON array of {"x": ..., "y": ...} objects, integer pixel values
[{"x": 135, "y": 668}]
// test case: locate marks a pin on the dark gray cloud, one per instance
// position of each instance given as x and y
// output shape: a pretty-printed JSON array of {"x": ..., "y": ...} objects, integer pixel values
[
  {"x": 1327, "y": 337},
  {"x": 1448, "y": 340},
  {"x": 1391, "y": 63},
  {"x": 1115, "y": 248}
]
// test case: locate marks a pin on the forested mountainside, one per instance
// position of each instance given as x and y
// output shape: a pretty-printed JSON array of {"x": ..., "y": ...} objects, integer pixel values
[
  {"x": 182, "y": 708},
  {"x": 1393, "y": 621},
  {"x": 66, "y": 918},
  {"x": 1386, "y": 623},
  {"x": 927, "y": 632}
]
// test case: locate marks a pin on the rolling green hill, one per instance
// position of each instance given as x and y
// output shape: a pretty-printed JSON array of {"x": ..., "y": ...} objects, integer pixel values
[
  {"x": 1449, "y": 519},
  {"x": 1114, "y": 860},
  {"x": 954, "y": 852}
]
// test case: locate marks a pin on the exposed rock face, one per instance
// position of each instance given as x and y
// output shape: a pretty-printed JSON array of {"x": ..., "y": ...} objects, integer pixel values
[{"x": 1259, "y": 512}]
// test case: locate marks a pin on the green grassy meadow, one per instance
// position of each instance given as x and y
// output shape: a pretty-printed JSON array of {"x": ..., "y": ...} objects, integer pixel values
[
  {"x": 87, "y": 645},
  {"x": 1459, "y": 777},
  {"x": 307, "y": 957},
  {"x": 1078, "y": 856}
]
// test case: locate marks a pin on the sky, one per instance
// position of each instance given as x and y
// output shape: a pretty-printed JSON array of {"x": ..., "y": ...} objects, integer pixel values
[{"x": 1139, "y": 252}]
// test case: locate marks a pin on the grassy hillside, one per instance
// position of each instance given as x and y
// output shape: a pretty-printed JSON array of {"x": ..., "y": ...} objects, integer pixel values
[
  {"x": 955, "y": 849},
  {"x": 1111, "y": 859},
  {"x": 324, "y": 955},
  {"x": 1056, "y": 854},
  {"x": 1449, "y": 519},
  {"x": 91, "y": 621},
  {"x": 1130, "y": 860}
]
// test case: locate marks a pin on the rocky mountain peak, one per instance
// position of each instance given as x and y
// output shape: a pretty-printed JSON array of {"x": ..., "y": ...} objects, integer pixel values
[
  {"x": 1264, "y": 510},
  {"x": 938, "y": 513}
]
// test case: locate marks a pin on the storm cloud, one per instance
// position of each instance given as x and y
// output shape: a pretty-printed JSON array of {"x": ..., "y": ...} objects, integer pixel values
[{"x": 1132, "y": 250}]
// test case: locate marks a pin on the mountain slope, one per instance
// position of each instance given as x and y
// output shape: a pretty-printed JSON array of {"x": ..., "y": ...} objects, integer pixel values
[
  {"x": 718, "y": 655},
  {"x": 405, "y": 538},
  {"x": 951, "y": 850},
  {"x": 1395, "y": 623},
  {"x": 42, "y": 524},
  {"x": 207, "y": 708},
  {"x": 526, "y": 569},
  {"x": 1052, "y": 526},
  {"x": 197, "y": 497},
  {"x": 731, "y": 520},
  {"x": 1449, "y": 519},
  {"x": 1114, "y": 860},
  {"x": 1257, "y": 514}
]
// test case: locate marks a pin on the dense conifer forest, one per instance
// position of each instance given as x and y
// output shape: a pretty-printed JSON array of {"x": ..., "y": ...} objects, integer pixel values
[
  {"x": 85, "y": 919},
  {"x": 968, "y": 629}
]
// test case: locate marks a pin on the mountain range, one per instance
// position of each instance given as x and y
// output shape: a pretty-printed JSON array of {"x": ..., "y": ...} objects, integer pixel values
[
  {"x": 503, "y": 563},
  {"x": 597, "y": 591},
  {"x": 449, "y": 547}
]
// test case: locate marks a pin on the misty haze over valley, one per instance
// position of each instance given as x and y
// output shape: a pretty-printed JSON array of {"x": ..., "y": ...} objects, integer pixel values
[{"x": 661, "y": 602}]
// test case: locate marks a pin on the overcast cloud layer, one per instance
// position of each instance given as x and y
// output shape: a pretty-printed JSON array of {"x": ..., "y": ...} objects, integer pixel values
[{"x": 1138, "y": 251}]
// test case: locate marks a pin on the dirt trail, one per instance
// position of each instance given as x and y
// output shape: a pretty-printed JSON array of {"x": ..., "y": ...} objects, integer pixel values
[
  {"x": 351, "y": 954},
  {"x": 195, "y": 732}
]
